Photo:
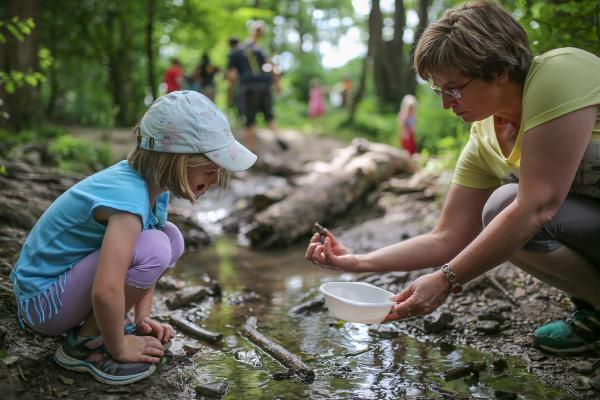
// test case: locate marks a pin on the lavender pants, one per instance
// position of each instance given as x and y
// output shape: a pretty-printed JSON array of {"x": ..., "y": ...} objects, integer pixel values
[{"x": 155, "y": 252}]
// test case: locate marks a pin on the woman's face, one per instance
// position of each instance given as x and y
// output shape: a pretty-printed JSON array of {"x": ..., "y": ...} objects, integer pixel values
[
  {"x": 202, "y": 177},
  {"x": 477, "y": 100}
]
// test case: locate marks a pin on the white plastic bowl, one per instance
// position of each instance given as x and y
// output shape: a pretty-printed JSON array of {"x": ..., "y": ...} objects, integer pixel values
[{"x": 357, "y": 301}]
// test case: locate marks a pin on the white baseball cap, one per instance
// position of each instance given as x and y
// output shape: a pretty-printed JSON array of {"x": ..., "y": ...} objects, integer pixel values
[{"x": 188, "y": 122}]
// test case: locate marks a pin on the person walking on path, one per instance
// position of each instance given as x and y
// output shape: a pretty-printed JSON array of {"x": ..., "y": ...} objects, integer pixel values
[
  {"x": 530, "y": 172},
  {"x": 174, "y": 76},
  {"x": 255, "y": 73},
  {"x": 100, "y": 248},
  {"x": 316, "y": 103},
  {"x": 407, "y": 120}
]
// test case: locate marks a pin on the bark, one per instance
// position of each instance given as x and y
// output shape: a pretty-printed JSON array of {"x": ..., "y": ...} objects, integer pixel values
[
  {"x": 22, "y": 106},
  {"x": 325, "y": 195},
  {"x": 194, "y": 330},
  {"x": 150, "y": 48},
  {"x": 118, "y": 45},
  {"x": 411, "y": 81},
  {"x": 287, "y": 359}
]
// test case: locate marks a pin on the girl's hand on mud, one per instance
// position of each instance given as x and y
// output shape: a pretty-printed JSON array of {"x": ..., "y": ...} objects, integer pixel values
[
  {"x": 421, "y": 297},
  {"x": 330, "y": 254},
  {"x": 163, "y": 332},
  {"x": 145, "y": 349}
]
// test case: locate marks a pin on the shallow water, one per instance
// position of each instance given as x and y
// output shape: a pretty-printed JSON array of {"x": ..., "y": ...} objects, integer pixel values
[{"x": 401, "y": 367}]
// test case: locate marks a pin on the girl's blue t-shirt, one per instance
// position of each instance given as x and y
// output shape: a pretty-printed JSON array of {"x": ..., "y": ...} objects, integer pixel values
[{"x": 68, "y": 231}]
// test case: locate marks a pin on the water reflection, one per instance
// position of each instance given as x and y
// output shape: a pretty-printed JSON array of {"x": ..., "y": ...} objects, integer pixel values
[{"x": 392, "y": 368}]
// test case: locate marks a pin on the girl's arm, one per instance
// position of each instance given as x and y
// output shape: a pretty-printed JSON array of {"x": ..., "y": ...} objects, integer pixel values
[{"x": 108, "y": 294}]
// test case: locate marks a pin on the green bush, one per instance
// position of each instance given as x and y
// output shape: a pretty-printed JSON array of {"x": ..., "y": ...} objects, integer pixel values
[
  {"x": 9, "y": 140},
  {"x": 79, "y": 155}
]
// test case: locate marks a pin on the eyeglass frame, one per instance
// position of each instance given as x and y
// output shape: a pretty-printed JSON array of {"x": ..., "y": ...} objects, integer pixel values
[{"x": 455, "y": 93}]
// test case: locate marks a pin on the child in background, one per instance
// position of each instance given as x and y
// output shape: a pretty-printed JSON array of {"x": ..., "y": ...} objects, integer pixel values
[
  {"x": 99, "y": 249},
  {"x": 407, "y": 119},
  {"x": 316, "y": 104}
]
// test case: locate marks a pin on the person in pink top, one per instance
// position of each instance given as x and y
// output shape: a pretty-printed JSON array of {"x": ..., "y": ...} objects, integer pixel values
[
  {"x": 174, "y": 76},
  {"x": 316, "y": 104},
  {"x": 407, "y": 119}
]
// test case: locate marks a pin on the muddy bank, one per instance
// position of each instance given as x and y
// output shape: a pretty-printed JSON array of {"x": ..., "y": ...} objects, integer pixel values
[{"x": 496, "y": 314}]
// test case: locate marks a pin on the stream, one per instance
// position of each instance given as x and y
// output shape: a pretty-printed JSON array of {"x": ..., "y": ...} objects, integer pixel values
[{"x": 350, "y": 362}]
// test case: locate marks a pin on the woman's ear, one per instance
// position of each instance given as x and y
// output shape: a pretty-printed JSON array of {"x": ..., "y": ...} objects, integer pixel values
[{"x": 503, "y": 77}]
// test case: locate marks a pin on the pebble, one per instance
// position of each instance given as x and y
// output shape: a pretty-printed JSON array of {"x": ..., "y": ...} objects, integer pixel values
[
  {"x": 583, "y": 383},
  {"x": 500, "y": 395},
  {"x": 488, "y": 326},
  {"x": 499, "y": 365},
  {"x": 437, "y": 322},
  {"x": 211, "y": 390},
  {"x": 583, "y": 367}
]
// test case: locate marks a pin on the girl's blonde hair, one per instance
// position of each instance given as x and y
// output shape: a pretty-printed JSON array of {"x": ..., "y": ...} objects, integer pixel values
[
  {"x": 478, "y": 39},
  {"x": 169, "y": 170}
]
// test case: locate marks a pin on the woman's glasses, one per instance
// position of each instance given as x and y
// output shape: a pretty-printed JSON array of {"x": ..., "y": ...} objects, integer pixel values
[{"x": 455, "y": 93}]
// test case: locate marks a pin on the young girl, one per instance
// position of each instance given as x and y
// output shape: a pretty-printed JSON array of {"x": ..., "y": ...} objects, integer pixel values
[
  {"x": 407, "y": 119},
  {"x": 99, "y": 249}
]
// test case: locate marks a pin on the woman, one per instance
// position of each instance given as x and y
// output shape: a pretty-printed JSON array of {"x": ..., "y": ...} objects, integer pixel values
[{"x": 529, "y": 170}]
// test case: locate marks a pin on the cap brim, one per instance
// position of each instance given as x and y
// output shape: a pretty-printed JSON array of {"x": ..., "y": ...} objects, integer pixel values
[{"x": 234, "y": 157}]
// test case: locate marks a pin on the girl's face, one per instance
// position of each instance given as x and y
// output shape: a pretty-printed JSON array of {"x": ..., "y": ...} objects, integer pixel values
[
  {"x": 478, "y": 99},
  {"x": 202, "y": 177}
]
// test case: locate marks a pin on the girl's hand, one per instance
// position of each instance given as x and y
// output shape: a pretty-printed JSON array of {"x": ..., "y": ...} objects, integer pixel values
[
  {"x": 163, "y": 332},
  {"x": 145, "y": 349},
  {"x": 421, "y": 297},
  {"x": 330, "y": 253}
]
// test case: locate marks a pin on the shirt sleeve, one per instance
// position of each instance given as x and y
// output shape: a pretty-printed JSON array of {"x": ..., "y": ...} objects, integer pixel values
[{"x": 562, "y": 81}]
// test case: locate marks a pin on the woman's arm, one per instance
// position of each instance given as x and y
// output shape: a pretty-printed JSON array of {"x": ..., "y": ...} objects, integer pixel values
[{"x": 459, "y": 223}]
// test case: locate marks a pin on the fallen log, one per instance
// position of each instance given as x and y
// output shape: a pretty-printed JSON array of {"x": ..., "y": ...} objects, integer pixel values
[
  {"x": 287, "y": 359},
  {"x": 194, "y": 330},
  {"x": 187, "y": 296},
  {"x": 328, "y": 192}
]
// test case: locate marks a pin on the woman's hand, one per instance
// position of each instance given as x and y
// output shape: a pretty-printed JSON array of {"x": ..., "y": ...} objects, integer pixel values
[
  {"x": 163, "y": 332},
  {"x": 145, "y": 349},
  {"x": 421, "y": 297},
  {"x": 330, "y": 253}
]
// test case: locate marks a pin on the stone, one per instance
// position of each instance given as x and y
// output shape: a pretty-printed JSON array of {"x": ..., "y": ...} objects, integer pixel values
[
  {"x": 583, "y": 383},
  {"x": 583, "y": 367},
  {"x": 488, "y": 326},
  {"x": 437, "y": 322}
]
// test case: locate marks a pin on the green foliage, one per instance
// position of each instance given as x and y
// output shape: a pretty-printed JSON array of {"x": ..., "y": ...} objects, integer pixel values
[
  {"x": 566, "y": 23},
  {"x": 11, "y": 80},
  {"x": 10, "y": 139},
  {"x": 79, "y": 155}
]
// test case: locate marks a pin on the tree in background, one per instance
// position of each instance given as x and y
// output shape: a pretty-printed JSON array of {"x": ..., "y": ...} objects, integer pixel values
[{"x": 19, "y": 64}]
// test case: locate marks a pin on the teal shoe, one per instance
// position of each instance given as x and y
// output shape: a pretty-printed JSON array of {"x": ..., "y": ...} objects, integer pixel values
[{"x": 575, "y": 335}]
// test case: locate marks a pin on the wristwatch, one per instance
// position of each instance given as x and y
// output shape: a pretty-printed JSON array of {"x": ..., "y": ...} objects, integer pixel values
[{"x": 455, "y": 286}]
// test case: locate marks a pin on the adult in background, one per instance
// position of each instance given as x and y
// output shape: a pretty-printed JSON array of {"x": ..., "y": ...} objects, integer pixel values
[
  {"x": 174, "y": 76},
  {"x": 530, "y": 171},
  {"x": 255, "y": 73},
  {"x": 233, "y": 97}
]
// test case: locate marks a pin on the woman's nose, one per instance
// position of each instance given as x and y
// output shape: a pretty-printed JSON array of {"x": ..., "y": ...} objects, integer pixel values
[{"x": 447, "y": 101}]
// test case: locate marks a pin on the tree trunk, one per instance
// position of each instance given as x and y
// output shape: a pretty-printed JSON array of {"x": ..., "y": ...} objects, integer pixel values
[
  {"x": 378, "y": 51},
  {"x": 325, "y": 195},
  {"x": 411, "y": 82},
  {"x": 150, "y": 48},
  {"x": 23, "y": 105},
  {"x": 118, "y": 64},
  {"x": 367, "y": 61}
]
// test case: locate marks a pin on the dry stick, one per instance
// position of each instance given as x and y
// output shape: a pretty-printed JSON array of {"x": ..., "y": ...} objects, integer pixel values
[
  {"x": 502, "y": 289},
  {"x": 194, "y": 330},
  {"x": 289, "y": 360}
]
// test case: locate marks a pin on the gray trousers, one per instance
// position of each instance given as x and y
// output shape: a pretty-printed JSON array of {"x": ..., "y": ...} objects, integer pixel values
[{"x": 576, "y": 224}]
